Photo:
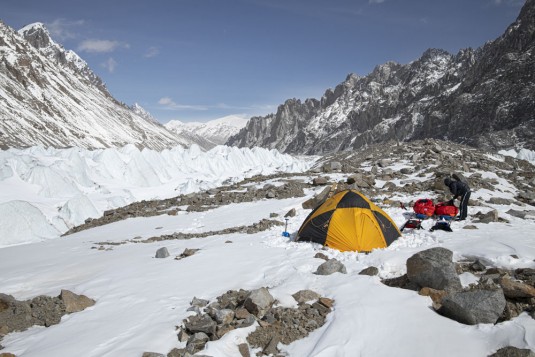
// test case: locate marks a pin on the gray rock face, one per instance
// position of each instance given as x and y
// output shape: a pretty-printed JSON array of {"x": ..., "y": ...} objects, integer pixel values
[
  {"x": 474, "y": 306},
  {"x": 433, "y": 268},
  {"x": 480, "y": 97}
]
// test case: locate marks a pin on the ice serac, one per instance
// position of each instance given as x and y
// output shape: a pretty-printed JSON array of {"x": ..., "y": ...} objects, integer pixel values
[
  {"x": 481, "y": 97},
  {"x": 49, "y": 96}
]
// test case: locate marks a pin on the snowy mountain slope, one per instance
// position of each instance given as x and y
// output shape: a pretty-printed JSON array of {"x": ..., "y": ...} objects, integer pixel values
[
  {"x": 50, "y": 97},
  {"x": 480, "y": 97},
  {"x": 211, "y": 133},
  {"x": 141, "y": 300}
]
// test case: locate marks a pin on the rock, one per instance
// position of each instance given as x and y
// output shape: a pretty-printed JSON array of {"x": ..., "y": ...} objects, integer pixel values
[
  {"x": 291, "y": 213},
  {"x": 243, "y": 348},
  {"x": 406, "y": 171},
  {"x": 515, "y": 289},
  {"x": 475, "y": 306},
  {"x": 305, "y": 295},
  {"x": 321, "y": 256},
  {"x": 271, "y": 347},
  {"x": 182, "y": 335},
  {"x": 491, "y": 216},
  {"x": 242, "y": 313},
  {"x": 199, "y": 302},
  {"x": 435, "y": 295},
  {"x": 202, "y": 323},
  {"x": 152, "y": 354},
  {"x": 224, "y": 316},
  {"x": 197, "y": 342},
  {"x": 470, "y": 226},
  {"x": 433, "y": 268},
  {"x": 319, "y": 181},
  {"x": 331, "y": 266},
  {"x": 162, "y": 253},
  {"x": 7, "y": 354},
  {"x": 259, "y": 302},
  {"x": 371, "y": 271},
  {"x": 328, "y": 303},
  {"x": 518, "y": 214},
  {"x": 511, "y": 351},
  {"x": 500, "y": 201},
  {"x": 477, "y": 266},
  {"x": 74, "y": 302}
]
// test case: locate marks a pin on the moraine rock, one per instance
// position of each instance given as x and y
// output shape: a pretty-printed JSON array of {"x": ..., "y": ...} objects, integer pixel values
[
  {"x": 331, "y": 266},
  {"x": 433, "y": 268}
]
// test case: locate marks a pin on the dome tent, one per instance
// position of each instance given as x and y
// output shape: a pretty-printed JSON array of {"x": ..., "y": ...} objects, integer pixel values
[{"x": 348, "y": 221}]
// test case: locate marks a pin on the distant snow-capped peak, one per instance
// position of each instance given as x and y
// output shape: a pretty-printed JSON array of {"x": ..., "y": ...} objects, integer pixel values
[{"x": 214, "y": 132}]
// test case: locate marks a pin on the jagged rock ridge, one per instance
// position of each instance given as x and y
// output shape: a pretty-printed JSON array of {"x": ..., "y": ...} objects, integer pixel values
[
  {"x": 480, "y": 97},
  {"x": 50, "y": 97}
]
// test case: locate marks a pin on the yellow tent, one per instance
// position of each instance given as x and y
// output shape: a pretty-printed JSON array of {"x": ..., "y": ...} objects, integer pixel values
[{"x": 348, "y": 221}]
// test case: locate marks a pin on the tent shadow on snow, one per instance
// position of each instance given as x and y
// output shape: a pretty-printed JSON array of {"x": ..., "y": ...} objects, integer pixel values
[{"x": 349, "y": 221}]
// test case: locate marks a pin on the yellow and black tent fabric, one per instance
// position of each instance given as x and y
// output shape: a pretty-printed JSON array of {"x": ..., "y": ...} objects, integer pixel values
[{"x": 348, "y": 221}]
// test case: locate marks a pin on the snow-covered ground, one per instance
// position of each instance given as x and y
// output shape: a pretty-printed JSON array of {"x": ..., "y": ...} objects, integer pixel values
[{"x": 140, "y": 299}]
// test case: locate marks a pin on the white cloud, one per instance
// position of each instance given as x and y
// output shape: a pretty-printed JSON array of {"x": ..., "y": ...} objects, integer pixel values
[
  {"x": 151, "y": 52},
  {"x": 101, "y": 46},
  {"x": 62, "y": 29},
  {"x": 168, "y": 103},
  {"x": 110, "y": 65}
]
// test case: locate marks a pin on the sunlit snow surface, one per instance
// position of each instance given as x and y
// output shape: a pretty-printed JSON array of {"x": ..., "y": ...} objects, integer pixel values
[
  {"x": 57, "y": 189},
  {"x": 140, "y": 299}
]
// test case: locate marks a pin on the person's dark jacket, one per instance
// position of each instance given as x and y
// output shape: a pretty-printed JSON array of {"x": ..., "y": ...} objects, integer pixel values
[{"x": 458, "y": 188}]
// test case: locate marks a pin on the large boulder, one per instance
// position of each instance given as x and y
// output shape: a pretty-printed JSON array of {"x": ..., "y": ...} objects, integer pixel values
[
  {"x": 480, "y": 305},
  {"x": 74, "y": 302},
  {"x": 433, "y": 268}
]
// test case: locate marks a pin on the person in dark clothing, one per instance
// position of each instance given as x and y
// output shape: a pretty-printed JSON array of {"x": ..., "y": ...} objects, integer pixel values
[{"x": 461, "y": 191}]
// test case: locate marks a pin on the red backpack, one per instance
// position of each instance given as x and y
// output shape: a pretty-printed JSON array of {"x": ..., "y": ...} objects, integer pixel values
[
  {"x": 424, "y": 206},
  {"x": 442, "y": 209}
]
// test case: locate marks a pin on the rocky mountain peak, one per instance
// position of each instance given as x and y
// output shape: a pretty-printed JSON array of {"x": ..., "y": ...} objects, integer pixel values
[
  {"x": 481, "y": 97},
  {"x": 37, "y": 35}
]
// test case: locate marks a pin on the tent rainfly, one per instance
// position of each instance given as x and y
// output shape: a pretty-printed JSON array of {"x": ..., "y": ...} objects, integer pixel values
[{"x": 349, "y": 221}]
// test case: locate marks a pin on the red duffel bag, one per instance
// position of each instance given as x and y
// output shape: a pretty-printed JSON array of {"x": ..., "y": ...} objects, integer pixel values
[
  {"x": 443, "y": 209},
  {"x": 424, "y": 206}
]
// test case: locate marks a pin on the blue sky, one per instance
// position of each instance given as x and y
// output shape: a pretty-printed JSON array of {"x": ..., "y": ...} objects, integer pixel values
[{"x": 197, "y": 60}]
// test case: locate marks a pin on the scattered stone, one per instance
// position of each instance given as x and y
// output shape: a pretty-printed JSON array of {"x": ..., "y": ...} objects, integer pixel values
[
  {"x": 470, "y": 226},
  {"x": 515, "y": 289},
  {"x": 477, "y": 266},
  {"x": 278, "y": 324},
  {"x": 243, "y": 348},
  {"x": 491, "y": 216},
  {"x": 331, "y": 266},
  {"x": 152, "y": 354},
  {"x": 319, "y": 181},
  {"x": 511, "y": 351},
  {"x": 186, "y": 253},
  {"x": 435, "y": 295},
  {"x": 371, "y": 271},
  {"x": 162, "y": 253},
  {"x": 291, "y": 213},
  {"x": 321, "y": 256},
  {"x": 75, "y": 303},
  {"x": 41, "y": 311},
  {"x": 303, "y": 296},
  {"x": 500, "y": 201},
  {"x": 199, "y": 302}
]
